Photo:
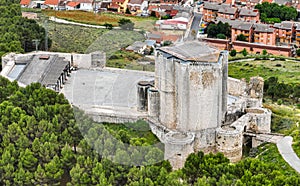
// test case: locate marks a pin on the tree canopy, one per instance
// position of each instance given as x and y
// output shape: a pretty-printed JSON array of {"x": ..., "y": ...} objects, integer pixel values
[
  {"x": 17, "y": 33},
  {"x": 273, "y": 13},
  {"x": 214, "y": 30}
]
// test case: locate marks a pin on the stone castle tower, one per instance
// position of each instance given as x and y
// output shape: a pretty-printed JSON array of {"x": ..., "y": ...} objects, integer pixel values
[{"x": 189, "y": 105}]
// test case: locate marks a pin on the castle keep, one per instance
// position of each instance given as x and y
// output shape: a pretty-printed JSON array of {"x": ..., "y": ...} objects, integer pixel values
[{"x": 193, "y": 105}]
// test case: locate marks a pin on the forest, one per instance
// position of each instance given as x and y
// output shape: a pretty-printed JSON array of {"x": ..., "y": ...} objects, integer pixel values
[{"x": 17, "y": 33}]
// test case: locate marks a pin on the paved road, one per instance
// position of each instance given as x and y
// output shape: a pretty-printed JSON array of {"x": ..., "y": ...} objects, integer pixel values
[
  {"x": 285, "y": 149},
  {"x": 194, "y": 26}
]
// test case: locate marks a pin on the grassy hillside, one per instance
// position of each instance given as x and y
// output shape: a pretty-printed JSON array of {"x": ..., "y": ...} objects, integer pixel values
[
  {"x": 287, "y": 71},
  {"x": 71, "y": 38}
]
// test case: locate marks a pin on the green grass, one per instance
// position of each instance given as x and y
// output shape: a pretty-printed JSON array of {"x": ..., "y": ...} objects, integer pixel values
[
  {"x": 139, "y": 129},
  {"x": 72, "y": 38},
  {"x": 268, "y": 153},
  {"x": 114, "y": 40},
  {"x": 128, "y": 60},
  {"x": 286, "y": 71}
]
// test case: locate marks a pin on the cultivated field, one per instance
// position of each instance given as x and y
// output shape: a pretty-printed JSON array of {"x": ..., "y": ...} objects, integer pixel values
[{"x": 102, "y": 18}]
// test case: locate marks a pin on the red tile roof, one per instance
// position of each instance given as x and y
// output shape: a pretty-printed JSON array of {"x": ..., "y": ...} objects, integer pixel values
[
  {"x": 25, "y": 2},
  {"x": 73, "y": 4},
  {"x": 51, "y": 2},
  {"x": 118, "y": 1}
]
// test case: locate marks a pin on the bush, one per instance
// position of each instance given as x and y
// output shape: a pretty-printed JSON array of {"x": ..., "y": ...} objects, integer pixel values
[
  {"x": 298, "y": 52},
  {"x": 232, "y": 53},
  {"x": 244, "y": 52},
  {"x": 264, "y": 52},
  {"x": 241, "y": 37},
  {"x": 221, "y": 36}
]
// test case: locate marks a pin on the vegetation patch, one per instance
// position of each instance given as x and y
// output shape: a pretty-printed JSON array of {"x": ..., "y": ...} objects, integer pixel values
[{"x": 145, "y": 23}]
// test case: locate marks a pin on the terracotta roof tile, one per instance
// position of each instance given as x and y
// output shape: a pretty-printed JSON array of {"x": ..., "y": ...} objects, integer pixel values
[
  {"x": 25, "y": 2},
  {"x": 73, "y": 4},
  {"x": 51, "y": 2}
]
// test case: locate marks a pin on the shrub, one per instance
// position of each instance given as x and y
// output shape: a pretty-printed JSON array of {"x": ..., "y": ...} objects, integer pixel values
[
  {"x": 264, "y": 52},
  {"x": 232, "y": 53},
  {"x": 221, "y": 36},
  {"x": 298, "y": 52},
  {"x": 244, "y": 52}
]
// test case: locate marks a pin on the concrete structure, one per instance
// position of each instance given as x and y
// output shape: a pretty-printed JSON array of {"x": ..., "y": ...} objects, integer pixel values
[{"x": 48, "y": 68}]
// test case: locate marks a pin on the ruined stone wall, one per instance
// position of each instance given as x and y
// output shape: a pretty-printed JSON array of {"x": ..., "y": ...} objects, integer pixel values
[
  {"x": 178, "y": 146},
  {"x": 236, "y": 87},
  {"x": 259, "y": 120},
  {"x": 230, "y": 139}
]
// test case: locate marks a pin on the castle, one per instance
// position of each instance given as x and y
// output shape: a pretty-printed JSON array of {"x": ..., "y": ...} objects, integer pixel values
[
  {"x": 193, "y": 105},
  {"x": 190, "y": 102}
]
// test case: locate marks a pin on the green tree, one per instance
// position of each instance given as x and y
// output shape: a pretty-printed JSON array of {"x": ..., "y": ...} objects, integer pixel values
[
  {"x": 108, "y": 26},
  {"x": 241, "y": 37},
  {"x": 54, "y": 171},
  {"x": 221, "y": 36},
  {"x": 126, "y": 24}
]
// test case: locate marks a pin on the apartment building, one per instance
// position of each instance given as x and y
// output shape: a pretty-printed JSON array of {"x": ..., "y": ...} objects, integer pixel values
[
  {"x": 228, "y": 12},
  {"x": 285, "y": 32},
  {"x": 264, "y": 34},
  {"x": 297, "y": 37},
  {"x": 210, "y": 11},
  {"x": 250, "y": 15},
  {"x": 244, "y": 28}
]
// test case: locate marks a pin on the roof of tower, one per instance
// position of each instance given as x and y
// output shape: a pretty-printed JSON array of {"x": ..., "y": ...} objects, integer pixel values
[{"x": 193, "y": 51}]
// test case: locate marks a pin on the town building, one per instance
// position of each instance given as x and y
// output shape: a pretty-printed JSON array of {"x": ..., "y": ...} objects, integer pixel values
[
  {"x": 244, "y": 28},
  {"x": 228, "y": 12},
  {"x": 285, "y": 32},
  {"x": 249, "y": 15},
  {"x": 264, "y": 34},
  {"x": 118, "y": 6}
]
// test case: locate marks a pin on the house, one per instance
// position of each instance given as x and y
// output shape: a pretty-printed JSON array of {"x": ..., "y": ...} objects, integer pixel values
[
  {"x": 72, "y": 5},
  {"x": 160, "y": 37},
  {"x": 249, "y": 15},
  {"x": 170, "y": 2},
  {"x": 137, "y": 47},
  {"x": 30, "y": 15},
  {"x": 137, "y": 6},
  {"x": 118, "y": 6},
  {"x": 228, "y": 12},
  {"x": 52, "y": 3},
  {"x": 244, "y": 28},
  {"x": 264, "y": 34},
  {"x": 285, "y": 32},
  {"x": 86, "y": 5},
  {"x": 25, "y": 3},
  {"x": 210, "y": 11},
  {"x": 179, "y": 23},
  {"x": 252, "y": 3}
]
